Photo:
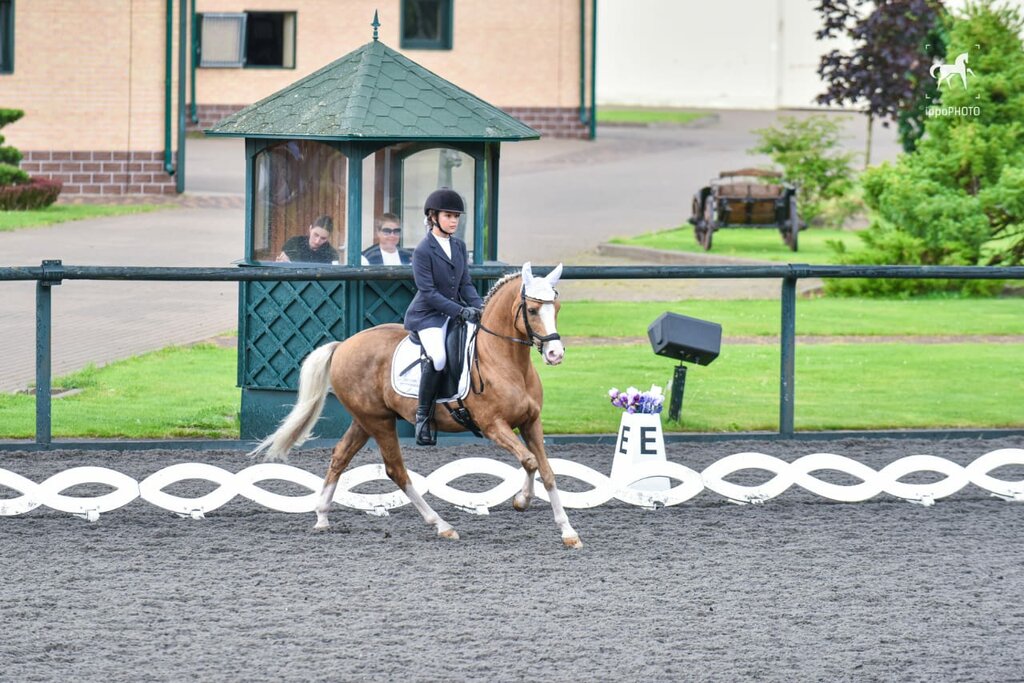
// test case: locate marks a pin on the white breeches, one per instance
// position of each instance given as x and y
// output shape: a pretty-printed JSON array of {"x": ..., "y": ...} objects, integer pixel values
[{"x": 432, "y": 340}]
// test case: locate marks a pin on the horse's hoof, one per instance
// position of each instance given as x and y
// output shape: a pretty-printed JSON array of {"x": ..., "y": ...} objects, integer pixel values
[
  {"x": 520, "y": 503},
  {"x": 450, "y": 534},
  {"x": 318, "y": 528},
  {"x": 572, "y": 542}
]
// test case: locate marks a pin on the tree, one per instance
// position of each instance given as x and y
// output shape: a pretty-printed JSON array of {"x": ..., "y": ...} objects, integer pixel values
[
  {"x": 18, "y": 190},
  {"x": 9, "y": 156},
  {"x": 887, "y": 71},
  {"x": 810, "y": 154},
  {"x": 958, "y": 199}
]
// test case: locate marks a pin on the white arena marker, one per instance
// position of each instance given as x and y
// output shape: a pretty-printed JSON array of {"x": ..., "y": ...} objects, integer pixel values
[{"x": 640, "y": 441}]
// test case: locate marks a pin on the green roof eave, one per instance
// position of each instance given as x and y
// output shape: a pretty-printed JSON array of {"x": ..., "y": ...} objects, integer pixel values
[
  {"x": 373, "y": 94},
  {"x": 359, "y": 138}
]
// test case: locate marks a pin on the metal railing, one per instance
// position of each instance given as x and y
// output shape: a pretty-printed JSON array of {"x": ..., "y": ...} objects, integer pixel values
[{"x": 51, "y": 273}]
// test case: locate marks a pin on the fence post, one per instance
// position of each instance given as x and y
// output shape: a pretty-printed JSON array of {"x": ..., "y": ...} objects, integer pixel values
[
  {"x": 787, "y": 343},
  {"x": 52, "y": 272}
]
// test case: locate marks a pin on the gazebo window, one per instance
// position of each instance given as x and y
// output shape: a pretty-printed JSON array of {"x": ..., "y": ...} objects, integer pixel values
[
  {"x": 426, "y": 171},
  {"x": 297, "y": 182}
]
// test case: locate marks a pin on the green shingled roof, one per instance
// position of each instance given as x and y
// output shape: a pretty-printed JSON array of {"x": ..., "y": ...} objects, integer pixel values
[{"x": 374, "y": 93}]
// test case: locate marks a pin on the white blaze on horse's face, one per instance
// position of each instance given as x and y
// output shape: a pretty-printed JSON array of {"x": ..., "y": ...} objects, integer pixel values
[{"x": 541, "y": 295}]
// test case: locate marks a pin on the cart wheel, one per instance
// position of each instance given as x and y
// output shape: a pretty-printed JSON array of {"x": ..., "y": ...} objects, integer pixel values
[
  {"x": 708, "y": 233},
  {"x": 794, "y": 225}
]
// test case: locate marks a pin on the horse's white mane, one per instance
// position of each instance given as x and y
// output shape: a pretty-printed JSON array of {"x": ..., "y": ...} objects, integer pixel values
[{"x": 498, "y": 285}]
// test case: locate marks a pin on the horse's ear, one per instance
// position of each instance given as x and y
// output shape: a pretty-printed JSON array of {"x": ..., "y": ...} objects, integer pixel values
[
  {"x": 554, "y": 275},
  {"x": 527, "y": 273}
]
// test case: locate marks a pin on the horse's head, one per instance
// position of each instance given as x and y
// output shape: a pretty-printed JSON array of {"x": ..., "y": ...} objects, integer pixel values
[{"x": 540, "y": 313}]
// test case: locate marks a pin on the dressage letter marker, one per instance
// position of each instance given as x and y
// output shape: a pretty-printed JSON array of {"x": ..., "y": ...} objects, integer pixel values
[{"x": 640, "y": 442}]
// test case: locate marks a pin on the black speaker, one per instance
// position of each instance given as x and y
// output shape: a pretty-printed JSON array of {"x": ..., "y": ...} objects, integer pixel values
[{"x": 684, "y": 338}]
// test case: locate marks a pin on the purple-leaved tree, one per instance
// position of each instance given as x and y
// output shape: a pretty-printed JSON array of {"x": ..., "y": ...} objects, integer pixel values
[{"x": 886, "y": 72}]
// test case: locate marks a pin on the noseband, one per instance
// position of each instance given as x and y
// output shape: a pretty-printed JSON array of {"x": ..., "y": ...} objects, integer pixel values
[{"x": 533, "y": 339}]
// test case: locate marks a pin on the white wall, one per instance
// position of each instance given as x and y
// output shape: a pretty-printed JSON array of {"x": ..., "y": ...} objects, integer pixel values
[{"x": 730, "y": 54}]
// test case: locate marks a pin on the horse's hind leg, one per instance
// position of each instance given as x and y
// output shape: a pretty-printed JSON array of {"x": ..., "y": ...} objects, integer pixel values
[
  {"x": 354, "y": 439},
  {"x": 387, "y": 439}
]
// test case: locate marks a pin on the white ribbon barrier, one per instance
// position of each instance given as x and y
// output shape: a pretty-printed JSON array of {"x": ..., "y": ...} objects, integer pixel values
[{"x": 602, "y": 488}]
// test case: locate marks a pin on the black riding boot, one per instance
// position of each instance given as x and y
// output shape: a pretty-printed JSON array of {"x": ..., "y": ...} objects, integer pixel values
[{"x": 429, "y": 379}]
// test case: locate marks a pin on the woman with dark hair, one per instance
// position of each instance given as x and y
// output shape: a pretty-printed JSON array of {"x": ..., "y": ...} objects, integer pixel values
[
  {"x": 314, "y": 246},
  {"x": 440, "y": 266}
]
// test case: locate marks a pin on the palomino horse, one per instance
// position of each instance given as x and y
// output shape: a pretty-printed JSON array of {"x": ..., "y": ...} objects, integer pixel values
[{"x": 519, "y": 313}]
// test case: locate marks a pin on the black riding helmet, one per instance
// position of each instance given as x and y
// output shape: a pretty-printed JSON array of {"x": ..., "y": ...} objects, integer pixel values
[{"x": 445, "y": 199}]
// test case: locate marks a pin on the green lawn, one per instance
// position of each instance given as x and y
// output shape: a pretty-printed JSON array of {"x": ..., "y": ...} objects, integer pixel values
[
  {"x": 190, "y": 392},
  {"x": 646, "y": 116},
  {"x": 763, "y": 244},
  {"x": 178, "y": 392},
  {"x": 824, "y": 316},
  {"x": 837, "y": 386},
  {"x": 61, "y": 213}
]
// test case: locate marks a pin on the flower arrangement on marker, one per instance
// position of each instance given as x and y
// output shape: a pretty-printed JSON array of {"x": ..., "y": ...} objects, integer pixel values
[{"x": 632, "y": 400}]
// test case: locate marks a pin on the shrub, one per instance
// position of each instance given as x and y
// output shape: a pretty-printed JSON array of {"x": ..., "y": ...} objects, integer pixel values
[
  {"x": 38, "y": 193},
  {"x": 19, "y": 191},
  {"x": 811, "y": 156}
]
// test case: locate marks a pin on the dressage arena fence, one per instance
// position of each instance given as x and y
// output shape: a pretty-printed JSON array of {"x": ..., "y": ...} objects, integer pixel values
[
  {"x": 52, "y": 272},
  {"x": 603, "y": 489}
]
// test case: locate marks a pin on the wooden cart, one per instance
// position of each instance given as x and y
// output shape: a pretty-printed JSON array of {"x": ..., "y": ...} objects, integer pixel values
[{"x": 748, "y": 197}]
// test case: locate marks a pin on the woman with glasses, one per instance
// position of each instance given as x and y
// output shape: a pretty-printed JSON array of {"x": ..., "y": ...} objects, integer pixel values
[
  {"x": 387, "y": 252},
  {"x": 440, "y": 266}
]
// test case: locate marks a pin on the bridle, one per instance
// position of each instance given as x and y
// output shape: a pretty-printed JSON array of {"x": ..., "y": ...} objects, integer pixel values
[{"x": 533, "y": 339}]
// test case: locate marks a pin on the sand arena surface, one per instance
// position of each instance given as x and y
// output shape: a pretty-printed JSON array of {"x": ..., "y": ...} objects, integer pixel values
[{"x": 797, "y": 588}]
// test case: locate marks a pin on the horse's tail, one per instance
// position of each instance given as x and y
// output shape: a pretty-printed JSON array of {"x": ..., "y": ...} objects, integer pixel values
[
  {"x": 931, "y": 71},
  {"x": 297, "y": 428}
]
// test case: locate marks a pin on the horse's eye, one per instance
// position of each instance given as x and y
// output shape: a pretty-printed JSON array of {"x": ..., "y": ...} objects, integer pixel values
[{"x": 533, "y": 311}]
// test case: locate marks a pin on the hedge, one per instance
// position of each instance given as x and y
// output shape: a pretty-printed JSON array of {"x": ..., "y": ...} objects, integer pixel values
[{"x": 35, "y": 194}]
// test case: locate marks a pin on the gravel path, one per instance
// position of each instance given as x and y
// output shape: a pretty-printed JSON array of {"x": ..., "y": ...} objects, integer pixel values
[{"x": 796, "y": 589}]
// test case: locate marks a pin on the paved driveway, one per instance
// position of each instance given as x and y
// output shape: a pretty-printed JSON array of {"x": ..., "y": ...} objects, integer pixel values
[{"x": 559, "y": 200}]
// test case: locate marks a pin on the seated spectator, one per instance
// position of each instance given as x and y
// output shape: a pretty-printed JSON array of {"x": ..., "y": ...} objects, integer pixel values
[
  {"x": 387, "y": 252},
  {"x": 314, "y": 247}
]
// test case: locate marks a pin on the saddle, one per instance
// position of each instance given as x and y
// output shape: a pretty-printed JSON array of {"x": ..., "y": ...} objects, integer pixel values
[{"x": 460, "y": 347}]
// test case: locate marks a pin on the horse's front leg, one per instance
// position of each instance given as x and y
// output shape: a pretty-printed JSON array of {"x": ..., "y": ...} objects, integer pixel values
[
  {"x": 533, "y": 433},
  {"x": 533, "y": 459}
]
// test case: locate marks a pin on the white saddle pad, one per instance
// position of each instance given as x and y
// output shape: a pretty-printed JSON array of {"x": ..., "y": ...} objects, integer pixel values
[{"x": 407, "y": 353}]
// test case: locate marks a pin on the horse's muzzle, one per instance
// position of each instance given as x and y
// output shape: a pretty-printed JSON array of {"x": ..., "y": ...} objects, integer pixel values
[{"x": 553, "y": 353}]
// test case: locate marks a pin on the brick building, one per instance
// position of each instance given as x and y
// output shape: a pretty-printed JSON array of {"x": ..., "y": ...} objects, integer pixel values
[{"x": 99, "y": 79}]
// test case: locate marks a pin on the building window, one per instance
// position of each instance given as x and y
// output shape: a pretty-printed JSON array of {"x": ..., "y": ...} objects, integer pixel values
[
  {"x": 6, "y": 36},
  {"x": 426, "y": 24},
  {"x": 247, "y": 39}
]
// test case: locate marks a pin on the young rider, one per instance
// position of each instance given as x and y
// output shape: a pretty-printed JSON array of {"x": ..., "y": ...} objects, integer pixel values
[{"x": 440, "y": 267}]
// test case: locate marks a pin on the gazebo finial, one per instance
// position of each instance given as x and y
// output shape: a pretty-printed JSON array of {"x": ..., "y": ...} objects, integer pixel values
[{"x": 375, "y": 24}]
